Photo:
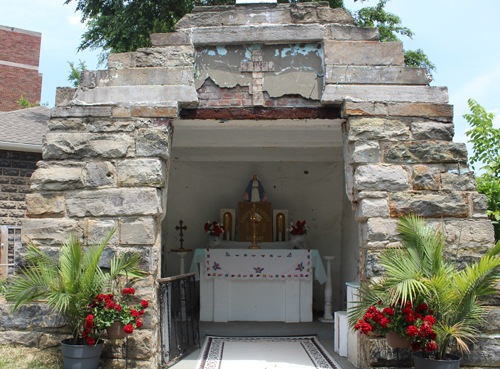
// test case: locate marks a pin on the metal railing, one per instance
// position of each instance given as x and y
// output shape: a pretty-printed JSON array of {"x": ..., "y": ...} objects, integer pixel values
[
  {"x": 179, "y": 317},
  {"x": 10, "y": 239}
]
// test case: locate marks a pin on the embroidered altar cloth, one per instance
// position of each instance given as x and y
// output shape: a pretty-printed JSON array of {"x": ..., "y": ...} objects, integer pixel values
[{"x": 258, "y": 264}]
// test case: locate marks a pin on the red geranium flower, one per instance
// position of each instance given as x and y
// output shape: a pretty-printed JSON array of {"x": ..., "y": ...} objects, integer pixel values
[
  {"x": 128, "y": 291},
  {"x": 430, "y": 319},
  {"x": 372, "y": 310},
  {"x": 118, "y": 307},
  {"x": 432, "y": 335},
  {"x": 431, "y": 312},
  {"x": 415, "y": 346},
  {"x": 384, "y": 322},
  {"x": 129, "y": 328},
  {"x": 367, "y": 317},
  {"x": 90, "y": 318},
  {"x": 365, "y": 328},
  {"x": 418, "y": 316},
  {"x": 422, "y": 307},
  {"x": 110, "y": 305},
  {"x": 90, "y": 341},
  {"x": 138, "y": 323},
  {"x": 144, "y": 304},
  {"x": 410, "y": 318},
  {"x": 135, "y": 313},
  {"x": 89, "y": 324},
  {"x": 431, "y": 346},
  {"x": 412, "y": 330},
  {"x": 85, "y": 332},
  {"x": 388, "y": 311},
  {"x": 142, "y": 312},
  {"x": 407, "y": 311}
]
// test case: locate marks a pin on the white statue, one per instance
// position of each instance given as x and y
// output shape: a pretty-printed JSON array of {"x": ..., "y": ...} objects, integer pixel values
[{"x": 255, "y": 191}]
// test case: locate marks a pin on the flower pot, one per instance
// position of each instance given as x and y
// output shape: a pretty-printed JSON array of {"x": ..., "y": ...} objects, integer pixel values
[
  {"x": 213, "y": 241},
  {"x": 396, "y": 341},
  {"x": 80, "y": 356},
  {"x": 115, "y": 330},
  {"x": 452, "y": 362},
  {"x": 298, "y": 241}
]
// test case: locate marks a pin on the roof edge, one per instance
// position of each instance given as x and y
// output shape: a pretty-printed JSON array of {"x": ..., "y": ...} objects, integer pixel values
[{"x": 20, "y": 147}]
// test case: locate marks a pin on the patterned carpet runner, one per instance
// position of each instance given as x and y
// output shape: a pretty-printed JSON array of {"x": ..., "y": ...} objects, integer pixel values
[{"x": 301, "y": 352}]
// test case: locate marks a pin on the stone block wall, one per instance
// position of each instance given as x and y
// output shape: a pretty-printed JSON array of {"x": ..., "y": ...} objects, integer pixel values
[
  {"x": 19, "y": 59},
  {"x": 16, "y": 169}
]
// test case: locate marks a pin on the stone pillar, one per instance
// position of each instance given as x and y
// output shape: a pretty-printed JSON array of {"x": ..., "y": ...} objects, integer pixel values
[{"x": 106, "y": 167}]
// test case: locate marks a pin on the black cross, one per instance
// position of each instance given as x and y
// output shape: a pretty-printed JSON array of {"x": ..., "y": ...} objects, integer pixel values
[{"x": 181, "y": 228}]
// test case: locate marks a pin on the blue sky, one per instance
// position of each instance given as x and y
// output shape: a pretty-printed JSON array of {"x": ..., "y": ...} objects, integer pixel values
[{"x": 460, "y": 37}]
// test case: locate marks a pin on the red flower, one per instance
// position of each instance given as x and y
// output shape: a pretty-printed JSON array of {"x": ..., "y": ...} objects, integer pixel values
[
  {"x": 432, "y": 335},
  {"x": 128, "y": 291},
  {"x": 129, "y": 328},
  {"x": 85, "y": 332},
  {"x": 410, "y": 318},
  {"x": 430, "y": 319},
  {"x": 90, "y": 318},
  {"x": 138, "y": 323},
  {"x": 135, "y": 313},
  {"x": 412, "y": 331},
  {"x": 422, "y": 307},
  {"x": 408, "y": 304},
  {"x": 426, "y": 328},
  {"x": 384, "y": 322},
  {"x": 388, "y": 311},
  {"x": 365, "y": 328},
  {"x": 377, "y": 317},
  {"x": 372, "y": 310},
  {"x": 90, "y": 341},
  {"x": 418, "y": 316},
  {"x": 379, "y": 302},
  {"x": 407, "y": 311},
  {"x": 144, "y": 304},
  {"x": 431, "y": 346},
  {"x": 89, "y": 324},
  {"x": 206, "y": 227},
  {"x": 142, "y": 312},
  {"x": 110, "y": 297},
  {"x": 110, "y": 305},
  {"x": 431, "y": 312},
  {"x": 415, "y": 346},
  {"x": 118, "y": 307},
  {"x": 367, "y": 317}
]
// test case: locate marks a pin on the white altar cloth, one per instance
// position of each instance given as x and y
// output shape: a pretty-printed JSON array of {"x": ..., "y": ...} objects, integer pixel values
[{"x": 287, "y": 300}]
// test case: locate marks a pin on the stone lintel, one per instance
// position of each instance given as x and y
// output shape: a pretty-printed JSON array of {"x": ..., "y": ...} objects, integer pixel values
[
  {"x": 81, "y": 111},
  {"x": 439, "y": 112},
  {"x": 336, "y": 94},
  {"x": 353, "y": 33},
  {"x": 139, "y": 76},
  {"x": 172, "y": 38},
  {"x": 348, "y": 74},
  {"x": 363, "y": 53},
  {"x": 185, "y": 95},
  {"x": 258, "y": 34}
]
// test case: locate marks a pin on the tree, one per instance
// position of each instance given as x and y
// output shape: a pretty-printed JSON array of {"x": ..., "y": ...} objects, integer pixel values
[
  {"x": 76, "y": 72},
  {"x": 119, "y": 26},
  {"x": 24, "y": 103},
  {"x": 485, "y": 141}
]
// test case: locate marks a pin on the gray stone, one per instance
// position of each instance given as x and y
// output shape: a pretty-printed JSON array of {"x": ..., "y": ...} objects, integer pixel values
[
  {"x": 347, "y": 74},
  {"x": 57, "y": 177},
  {"x": 68, "y": 124},
  {"x": 88, "y": 78},
  {"x": 98, "y": 229},
  {"x": 352, "y": 33},
  {"x": 152, "y": 142},
  {"x": 80, "y": 111},
  {"x": 480, "y": 203},
  {"x": 51, "y": 231},
  {"x": 428, "y": 205},
  {"x": 52, "y": 340},
  {"x": 145, "y": 76},
  {"x": 208, "y": 19},
  {"x": 354, "y": 108},
  {"x": 456, "y": 182},
  {"x": 168, "y": 39},
  {"x": 34, "y": 317},
  {"x": 363, "y": 53},
  {"x": 484, "y": 352},
  {"x": 491, "y": 320},
  {"x": 64, "y": 95},
  {"x": 141, "y": 172},
  {"x": 380, "y": 229},
  {"x": 337, "y": 93},
  {"x": 87, "y": 145},
  {"x": 45, "y": 205},
  {"x": 159, "y": 110},
  {"x": 99, "y": 174},
  {"x": 425, "y": 178},
  {"x": 433, "y": 131},
  {"x": 30, "y": 339},
  {"x": 140, "y": 344},
  {"x": 372, "y": 208},
  {"x": 335, "y": 15},
  {"x": 371, "y": 195},
  {"x": 121, "y": 60},
  {"x": 138, "y": 94},
  {"x": 264, "y": 34},
  {"x": 364, "y": 152},
  {"x": 114, "y": 125},
  {"x": 425, "y": 152},
  {"x": 114, "y": 202},
  {"x": 361, "y": 128},
  {"x": 373, "y": 268},
  {"x": 167, "y": 56},
  {"x": 441, "y": 112},
  {"x": 250, "y": 17},
  {"x": 138, "y": 231},
  {"x": 148, "y": 258},
  {"x": 381, "y": 178},
  {"x": 469, "y": 232}
]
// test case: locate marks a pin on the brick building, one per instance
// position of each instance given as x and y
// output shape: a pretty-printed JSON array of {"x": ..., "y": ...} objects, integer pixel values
[{"x": 19, "y": 60}]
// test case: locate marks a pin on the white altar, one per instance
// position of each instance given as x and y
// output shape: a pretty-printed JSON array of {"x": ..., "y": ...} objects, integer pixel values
[{"x": 257, "y": 296}]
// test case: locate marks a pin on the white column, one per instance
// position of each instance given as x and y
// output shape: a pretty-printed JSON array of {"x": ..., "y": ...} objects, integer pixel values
[{"x": 328, "y": 316}]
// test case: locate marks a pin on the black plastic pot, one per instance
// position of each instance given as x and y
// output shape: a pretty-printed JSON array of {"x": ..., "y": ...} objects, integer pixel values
[
  {"x": 81, "y": 356},
  {"x": 452, "y": 362}
]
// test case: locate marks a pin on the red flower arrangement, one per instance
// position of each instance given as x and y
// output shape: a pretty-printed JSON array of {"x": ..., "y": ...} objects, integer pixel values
[
  {"x": 214, "y": 228},
  {"x": 105, "y": 310},
  {"x": 415, "y": 324},
  {"x": 299, "y": 228}
]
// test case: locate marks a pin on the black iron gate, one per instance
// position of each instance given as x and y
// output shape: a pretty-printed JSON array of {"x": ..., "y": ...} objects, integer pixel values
[{"x": 179, "y": 317}]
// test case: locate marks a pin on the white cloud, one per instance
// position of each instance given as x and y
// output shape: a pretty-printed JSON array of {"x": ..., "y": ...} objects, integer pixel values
[{"x": 74, "y": 20}]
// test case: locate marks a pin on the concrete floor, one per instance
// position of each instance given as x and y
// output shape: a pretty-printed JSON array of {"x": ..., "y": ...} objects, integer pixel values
[{"x": 324, "y": 331}]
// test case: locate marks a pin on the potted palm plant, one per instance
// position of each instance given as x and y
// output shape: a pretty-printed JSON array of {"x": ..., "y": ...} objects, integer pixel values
[
  {"x": 69, "y": 284},
  {"x": 416, "y": 274}
]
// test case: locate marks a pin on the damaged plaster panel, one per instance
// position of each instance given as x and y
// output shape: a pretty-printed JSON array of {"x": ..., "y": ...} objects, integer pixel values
[{"x": 297, "y": 68}]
